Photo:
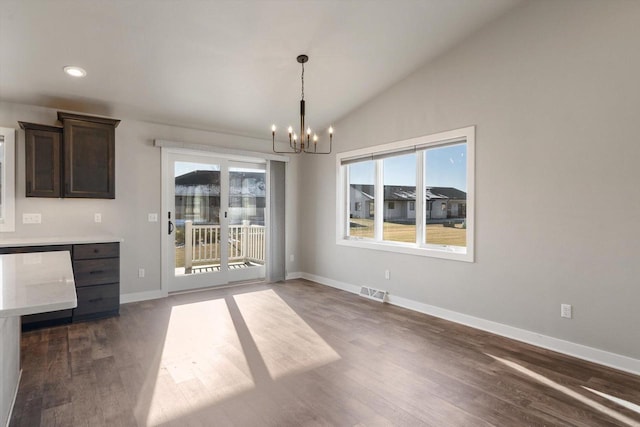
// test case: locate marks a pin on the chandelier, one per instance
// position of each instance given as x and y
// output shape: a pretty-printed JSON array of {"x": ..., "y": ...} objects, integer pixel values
[{"x": 303, "y": 145}]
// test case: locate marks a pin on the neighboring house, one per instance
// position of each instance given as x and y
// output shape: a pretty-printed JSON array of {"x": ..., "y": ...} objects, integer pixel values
[
  {"x": 361, "y": 200},
  {"x": 445, "y": 202},
  {"x": 197, "y": 197},
  {"x": 400, "y": 202}
]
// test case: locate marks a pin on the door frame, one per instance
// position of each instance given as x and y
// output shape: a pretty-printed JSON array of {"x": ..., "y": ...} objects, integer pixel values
[{"x": 166, "y": 150}]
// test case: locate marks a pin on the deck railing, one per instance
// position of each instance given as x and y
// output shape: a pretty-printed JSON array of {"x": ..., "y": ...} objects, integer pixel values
[{"x": 202, "y": 244}]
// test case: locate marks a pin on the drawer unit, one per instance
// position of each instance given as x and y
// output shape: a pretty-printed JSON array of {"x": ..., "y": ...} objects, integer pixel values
[
  {"x": 89, "y": 272},
  {"x": 97, "y": 301},
  {"x": 96, "y": 271},
  {"x": 96, "y": 250}
]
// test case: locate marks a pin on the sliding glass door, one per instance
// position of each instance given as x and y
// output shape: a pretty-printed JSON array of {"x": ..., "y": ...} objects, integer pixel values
[{"x": 215, "y": 221}]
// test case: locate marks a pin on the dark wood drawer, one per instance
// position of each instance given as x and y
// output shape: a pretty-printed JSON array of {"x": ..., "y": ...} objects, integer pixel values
[
  {"x": 89, "y": 272},
  {"x": 96, "y": 250},
  {"x": 96, "y": 301}
]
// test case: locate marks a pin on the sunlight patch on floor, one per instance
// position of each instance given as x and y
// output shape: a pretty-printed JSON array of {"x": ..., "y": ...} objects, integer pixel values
[
  {"x": 286, "y": 343},
  {"x": 629, "y": 405},
  {"x": 202, "y": 361},
  {"x": 563, "y": 389}
]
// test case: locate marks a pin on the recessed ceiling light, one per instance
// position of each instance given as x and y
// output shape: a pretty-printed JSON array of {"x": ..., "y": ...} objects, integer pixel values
[{"x": 74, "y": 71}]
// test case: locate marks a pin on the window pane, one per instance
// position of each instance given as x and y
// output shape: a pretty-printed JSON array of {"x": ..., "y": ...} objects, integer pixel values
[
  {"x": 361, "y": 195},
  {"x": 399, "y": 191},
  {"x": 445, "y": 172},
  {"x": 247, "y": 195},
  {"x": 197, "y": 212}
]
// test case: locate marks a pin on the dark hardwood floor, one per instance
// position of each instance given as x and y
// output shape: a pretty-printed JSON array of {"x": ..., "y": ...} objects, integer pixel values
[{"x": 301, "y": 354}]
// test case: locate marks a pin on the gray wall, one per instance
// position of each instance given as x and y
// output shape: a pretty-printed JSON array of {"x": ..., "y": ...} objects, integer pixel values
[
  {"x": 138, "y": 188},
  {"x": 553, "y": 88}
]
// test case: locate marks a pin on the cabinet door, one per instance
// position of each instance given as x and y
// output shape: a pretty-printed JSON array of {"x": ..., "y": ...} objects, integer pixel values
[
  {"x": 89, "y": 159},
  {"x": 43, "y": 162}
]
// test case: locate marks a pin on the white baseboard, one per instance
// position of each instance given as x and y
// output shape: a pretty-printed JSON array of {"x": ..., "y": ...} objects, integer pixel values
[
  {"x": 294, "y": 275},
  {"x": 141, "y": 296},
  {"x": 613, "y": 360},
  {"x": 333, "y": 283}
]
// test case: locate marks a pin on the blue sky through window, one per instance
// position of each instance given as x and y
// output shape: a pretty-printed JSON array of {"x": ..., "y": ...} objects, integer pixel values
[{"x": 445, "y": 167}]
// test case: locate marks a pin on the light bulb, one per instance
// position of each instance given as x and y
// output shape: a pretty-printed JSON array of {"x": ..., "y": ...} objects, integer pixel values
[
  {"x": 315, "y": 138},
  {"x": 308, "y": 131},
  {"x": 290, "y": 130},
  {"x": 74, "y": 71},
  {"x": 295, "y": 137},
  {"x": 273, "y": 128},
  {"x": 330, "y": 130}
]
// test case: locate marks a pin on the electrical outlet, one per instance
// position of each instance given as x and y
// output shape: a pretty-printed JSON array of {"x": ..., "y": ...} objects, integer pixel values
[
  {"x": 141, "y": 273},
  {"x": 387, "y": 274},
  {"x": 97, "y": 217},
  {"x": 566, "y": 311},
  {"x": 31, "y": 218},
  {"x": 153, "y": 217}
]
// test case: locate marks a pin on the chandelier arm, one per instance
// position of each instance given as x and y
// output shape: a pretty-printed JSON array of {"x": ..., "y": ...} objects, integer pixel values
[
  {"x": 293, "y": 151},
  {"x": 321, "y": 152}
]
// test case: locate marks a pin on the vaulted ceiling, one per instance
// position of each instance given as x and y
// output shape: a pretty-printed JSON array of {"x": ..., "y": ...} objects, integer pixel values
[{"x": 223, "y": 65}]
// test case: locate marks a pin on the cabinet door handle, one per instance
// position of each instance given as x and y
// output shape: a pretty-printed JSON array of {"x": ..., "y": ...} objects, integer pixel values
[
  {"x": 95, "y": 299},
  {"x": 96, "y": 272}
]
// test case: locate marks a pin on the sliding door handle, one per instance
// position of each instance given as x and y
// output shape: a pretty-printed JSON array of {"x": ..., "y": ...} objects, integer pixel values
[{"x": 170, "y": 227}]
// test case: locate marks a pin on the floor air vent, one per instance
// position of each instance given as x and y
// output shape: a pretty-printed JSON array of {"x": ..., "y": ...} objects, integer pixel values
[{"x": 374, "y": 294}]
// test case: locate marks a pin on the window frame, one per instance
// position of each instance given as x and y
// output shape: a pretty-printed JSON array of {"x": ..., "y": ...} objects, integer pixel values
[{"x": 419, "y": 145}]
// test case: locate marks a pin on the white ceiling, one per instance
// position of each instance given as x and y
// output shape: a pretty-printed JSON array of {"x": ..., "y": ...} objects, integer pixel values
[{"x": 223, "y": 65}]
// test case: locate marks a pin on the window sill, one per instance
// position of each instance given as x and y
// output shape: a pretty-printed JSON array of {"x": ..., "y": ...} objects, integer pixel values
[{"x": 444, "y": 252}]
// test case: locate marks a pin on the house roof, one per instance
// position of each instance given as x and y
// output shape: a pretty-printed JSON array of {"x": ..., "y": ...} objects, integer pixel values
[
  {"x": 199, "y": 178},
  {"x": 447, "y": 192},
  {"x": 405, "y": 192},
  {"x": 207, "y": 183},
  {"x": 364, "y": 189}
]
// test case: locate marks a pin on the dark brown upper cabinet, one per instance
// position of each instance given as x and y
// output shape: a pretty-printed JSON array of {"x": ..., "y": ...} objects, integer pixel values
[
  {"x": 89, "y": 156},
  {"x": 76, "y": 159},
  {"x": 43, "y": 147}
]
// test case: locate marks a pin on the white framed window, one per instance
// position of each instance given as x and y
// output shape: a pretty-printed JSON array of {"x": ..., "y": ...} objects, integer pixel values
[
  {"x": 420, "y": 192},
  {"x": 7, "y": 179}
]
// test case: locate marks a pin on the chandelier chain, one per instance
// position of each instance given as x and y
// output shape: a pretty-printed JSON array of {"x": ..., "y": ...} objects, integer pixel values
[{"x": 302, "y": 81}]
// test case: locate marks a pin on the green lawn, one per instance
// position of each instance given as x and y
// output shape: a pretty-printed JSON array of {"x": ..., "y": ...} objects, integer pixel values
[{"x": 436, "y": 234}]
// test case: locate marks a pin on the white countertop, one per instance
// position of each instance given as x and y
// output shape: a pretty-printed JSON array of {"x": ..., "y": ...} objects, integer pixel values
[
  {"x": 36, "y": 283},
  {"x": 43, "y": 241}
]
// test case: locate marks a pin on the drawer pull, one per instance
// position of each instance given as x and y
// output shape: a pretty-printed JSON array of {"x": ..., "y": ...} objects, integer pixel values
[
  {"x": 96, "y": 272},
  {"x": 95, "y": 299}
]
